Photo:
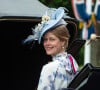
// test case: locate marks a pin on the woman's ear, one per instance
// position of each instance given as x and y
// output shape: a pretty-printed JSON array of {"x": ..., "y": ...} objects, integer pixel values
[{"x": 63, "y": 44}]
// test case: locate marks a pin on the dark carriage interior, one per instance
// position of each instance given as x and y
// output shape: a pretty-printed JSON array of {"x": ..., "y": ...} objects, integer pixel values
[
  {"x": 87, "y": 79},
  {"x": 20, "y": 65}
]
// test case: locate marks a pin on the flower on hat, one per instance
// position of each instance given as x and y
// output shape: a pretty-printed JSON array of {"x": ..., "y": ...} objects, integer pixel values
[
  {"x": 45, "y": 18},
  {"x": 38, "y": 28}
]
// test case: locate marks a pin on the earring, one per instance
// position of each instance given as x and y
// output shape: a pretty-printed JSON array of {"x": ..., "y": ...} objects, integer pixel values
[{"x": 63, "y": 47}]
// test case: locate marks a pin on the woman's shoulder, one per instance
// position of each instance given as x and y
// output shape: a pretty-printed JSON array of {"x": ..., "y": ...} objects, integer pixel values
[{"x": 51, "y": 65}]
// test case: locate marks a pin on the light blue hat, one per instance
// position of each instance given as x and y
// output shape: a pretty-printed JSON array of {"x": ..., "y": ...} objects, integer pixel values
[
  {"x": 48, "y": 22},
  {"x": 55, "y": 20}
]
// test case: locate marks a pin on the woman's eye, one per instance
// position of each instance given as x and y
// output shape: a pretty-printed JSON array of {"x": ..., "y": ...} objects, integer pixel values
[{"x": 52, "y": 39}]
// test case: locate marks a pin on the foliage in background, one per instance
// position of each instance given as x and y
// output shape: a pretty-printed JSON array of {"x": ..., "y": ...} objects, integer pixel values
[
  {"x": 66, "y": 4},
  {"x": 81, "y": 58}
]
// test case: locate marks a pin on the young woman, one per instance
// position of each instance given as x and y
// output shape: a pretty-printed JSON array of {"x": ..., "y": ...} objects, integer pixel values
[
  {"x": 54, "y": 35},
  {"x": 58, "y": 73}
]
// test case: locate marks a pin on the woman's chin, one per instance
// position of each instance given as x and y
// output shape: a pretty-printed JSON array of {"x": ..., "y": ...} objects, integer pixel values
[{"x": 49, "y": 53}]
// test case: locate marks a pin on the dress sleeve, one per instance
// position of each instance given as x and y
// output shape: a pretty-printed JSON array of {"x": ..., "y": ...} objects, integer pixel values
[{"x": 46, "y": 78}]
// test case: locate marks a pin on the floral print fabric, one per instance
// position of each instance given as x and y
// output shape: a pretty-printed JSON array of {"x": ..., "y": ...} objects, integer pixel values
[{"x": 58, "y": 73}]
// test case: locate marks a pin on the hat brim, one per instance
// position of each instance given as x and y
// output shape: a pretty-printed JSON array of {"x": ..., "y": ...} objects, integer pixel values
[
  {"x": 57, "y": 16},
  {"x": 72, "y": 28},
  {"x": 50, "y": 24}
]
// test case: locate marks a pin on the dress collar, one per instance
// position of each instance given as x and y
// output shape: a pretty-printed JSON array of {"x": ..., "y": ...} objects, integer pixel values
[
  {"x": 64, "y": 60},
  {"x": 61, "y": 57}
]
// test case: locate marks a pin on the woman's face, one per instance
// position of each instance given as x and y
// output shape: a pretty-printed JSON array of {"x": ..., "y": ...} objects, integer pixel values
[{"x": 52, "y": 44}]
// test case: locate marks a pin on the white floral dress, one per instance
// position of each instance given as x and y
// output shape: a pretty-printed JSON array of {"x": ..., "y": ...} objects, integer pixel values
[{"x": 58, "y": 73}]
